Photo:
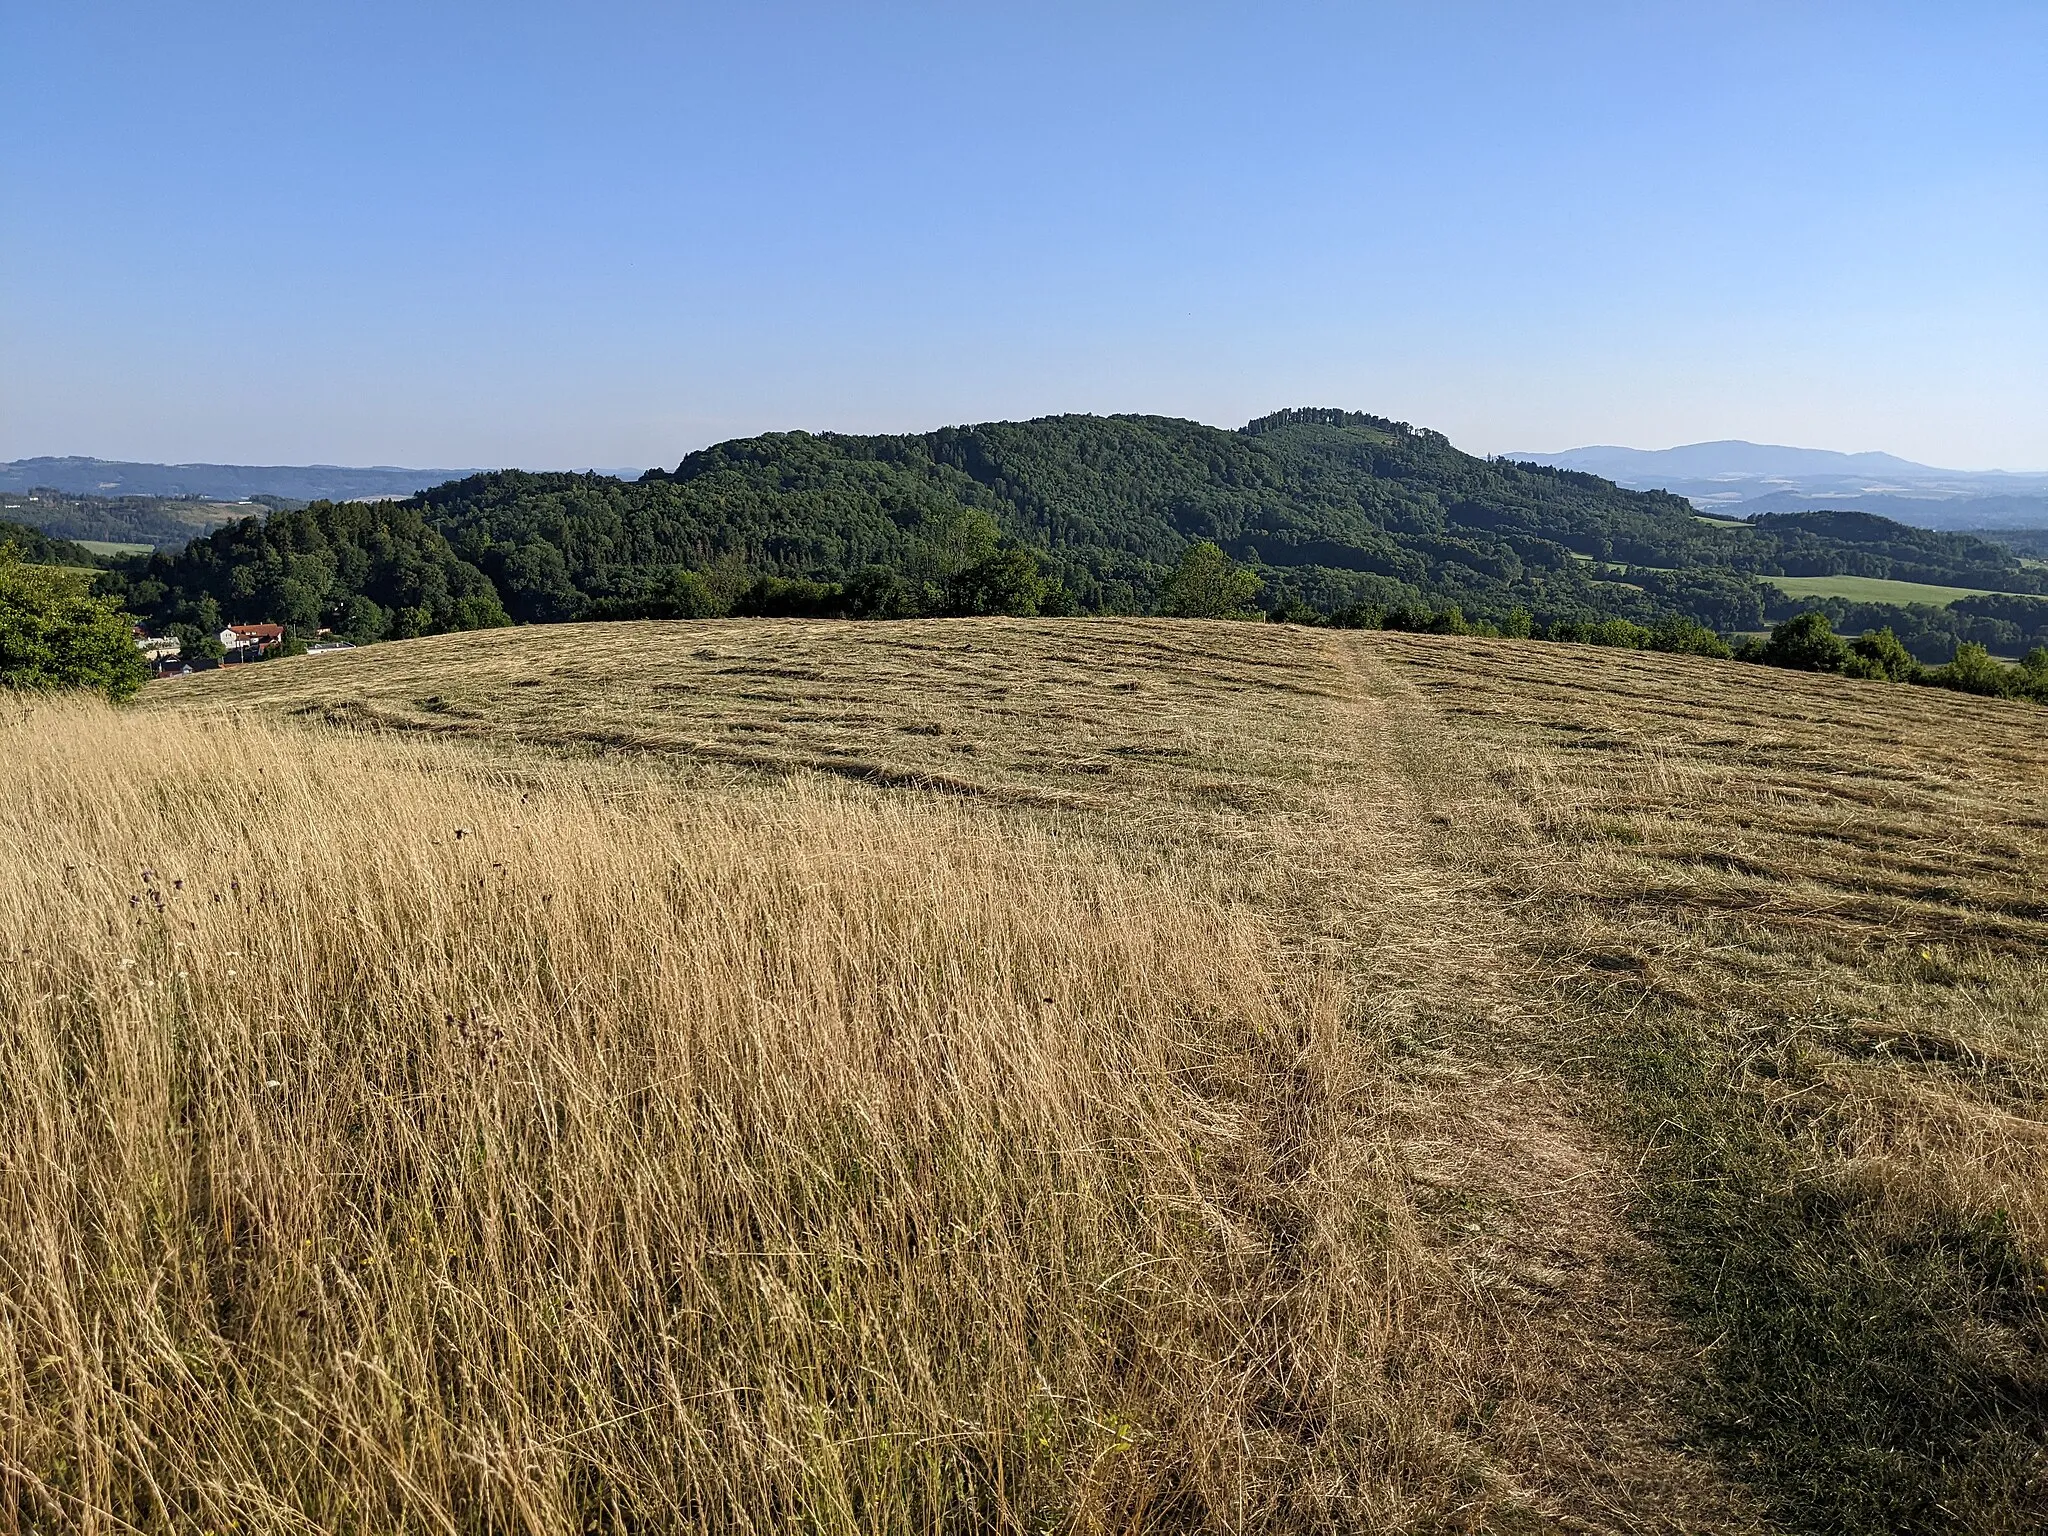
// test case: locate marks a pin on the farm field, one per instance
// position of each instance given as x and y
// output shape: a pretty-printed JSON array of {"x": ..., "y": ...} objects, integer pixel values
[
  {"x": 113, "y": 547},
  {"x": 1873, "y": 589},
  {"x": 1036, "y": 1075}
]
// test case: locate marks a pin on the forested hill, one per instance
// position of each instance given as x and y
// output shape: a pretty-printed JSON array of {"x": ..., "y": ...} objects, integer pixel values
[
  {"x": 1335, "y": 512},
  {"x": 34, "y": 547},
  {"x": 1333, "y": 508}
]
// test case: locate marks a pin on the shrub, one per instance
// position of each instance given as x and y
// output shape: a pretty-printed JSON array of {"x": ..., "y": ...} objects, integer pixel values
[
  {"x": 1207, "y": 584},
  {"x": 1974, "y": 670},
  {"x": 1425, "y": 621},
  {"x": 1806, "y": 642},
  {"x": 2031, "y": 675},
  {"x": 1292, "y": 610},
  {"x": 1619, "y": 633},
  {"x": 1682, "y": 637},
  {"x": 1359, "y": 616},
  {"x": 1008, "y": 581},
  {"x": 773, "y": 597},
  {"x": 681, "y": 594},
  {"x": 880, "y": 593},
  {"x": 1879, "y": 655}
]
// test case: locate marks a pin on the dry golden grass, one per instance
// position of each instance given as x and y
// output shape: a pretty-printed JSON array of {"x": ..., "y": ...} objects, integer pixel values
[
  {"x": 1866, "y": 867},
  {"x": 392, "y": 1142},
  {"x": 1804, "y": 923},
  {"x": 1069, "y": 1075}
]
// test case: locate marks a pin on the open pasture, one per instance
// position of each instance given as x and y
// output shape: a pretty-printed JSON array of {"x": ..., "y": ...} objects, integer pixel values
[
  {"x": 1873, "y": 589},
  {"x": 1080, "y": 1075}
]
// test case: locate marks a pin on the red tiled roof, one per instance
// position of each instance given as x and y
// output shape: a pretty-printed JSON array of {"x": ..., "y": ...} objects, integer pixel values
[{"x": 259, "y": 631}]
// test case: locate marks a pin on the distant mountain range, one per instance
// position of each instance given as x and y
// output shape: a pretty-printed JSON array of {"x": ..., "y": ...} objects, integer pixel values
[
  {"x": 1741, "y": 479},
  {"x": 219, "y": 482}
]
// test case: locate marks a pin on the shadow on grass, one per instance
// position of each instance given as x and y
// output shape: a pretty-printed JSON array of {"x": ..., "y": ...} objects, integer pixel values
[{"x": 1860, "y": 1376}]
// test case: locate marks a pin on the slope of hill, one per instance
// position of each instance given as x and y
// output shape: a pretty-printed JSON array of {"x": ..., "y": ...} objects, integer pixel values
[
  {"x": 221, "y": 482},
  {"x": 38, "y": 548},
  {"x": 1337, "y": 512},
  {"x": 163, "y": 522},
  {"x": 1018, "y": 1075},
  {"x": 367, "y": 570},
  {"x": 1332, "y": 508}
]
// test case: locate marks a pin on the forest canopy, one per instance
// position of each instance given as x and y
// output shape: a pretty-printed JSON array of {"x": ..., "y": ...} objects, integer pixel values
[{"x": 1330, "y": 510}]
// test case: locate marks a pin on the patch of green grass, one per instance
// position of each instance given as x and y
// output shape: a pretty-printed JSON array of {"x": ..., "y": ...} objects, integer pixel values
[
  {"x": 113, "y": 547},
  {"x": 1872, "y": 589},
  {"x": 1864, "y": 1377}
]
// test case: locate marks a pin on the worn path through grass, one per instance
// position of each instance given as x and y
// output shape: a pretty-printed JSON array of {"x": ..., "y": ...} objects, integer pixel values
[{"x": 1794, "y": 938}]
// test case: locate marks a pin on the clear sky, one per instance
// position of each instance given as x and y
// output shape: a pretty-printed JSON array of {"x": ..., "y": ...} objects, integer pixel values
[{"x": 601, "y": 234}]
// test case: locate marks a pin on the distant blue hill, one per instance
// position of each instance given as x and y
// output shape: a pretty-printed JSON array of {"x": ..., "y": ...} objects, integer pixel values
[
  {"x": 219, "y": 482},
  {"x": 1741, "y": 479},
  {"x": 1729, "y": 459}
]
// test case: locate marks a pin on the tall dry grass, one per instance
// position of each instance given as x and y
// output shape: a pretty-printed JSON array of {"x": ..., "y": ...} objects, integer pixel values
[{"x": 391, "y": 1141}]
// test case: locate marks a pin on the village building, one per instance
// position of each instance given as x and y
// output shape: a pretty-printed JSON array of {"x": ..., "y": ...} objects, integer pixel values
[{"x": 245, "y": 642}]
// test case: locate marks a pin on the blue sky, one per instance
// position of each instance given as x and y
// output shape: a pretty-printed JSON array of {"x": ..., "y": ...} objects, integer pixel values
[{"x": 449, "y": 234}]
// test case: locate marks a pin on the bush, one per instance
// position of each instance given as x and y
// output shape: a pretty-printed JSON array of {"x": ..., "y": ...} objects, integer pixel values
[
  {"x": 773, "y": 597},
  {"x": 681, "y": 594},
  {"x": 1360, "y": 616},
  {"x": 2032, "y": 674},
  {"x": 54, "y": 633},
  {"x": 1451, "y": 621},
  {"x": 1008, "y": 581},
  {"x": 1682, "y": 637},
  {"x": 1207, "y": 584},
  {"x": 1975, "y": 670},
  {"x": 1619, "y": 633},
  {"x": 1425, "y": 621},
  {"x": 1879, "y": 655},
  {"x": 880, "y": 593},
  {"x": 1292, "y": 610},
  {"x": 1806, "y": 642}
]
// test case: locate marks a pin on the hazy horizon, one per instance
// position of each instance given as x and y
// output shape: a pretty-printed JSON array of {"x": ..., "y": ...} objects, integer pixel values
[
  {"x": 525, "y": 235},
  {"x": 452, "y": 466}
]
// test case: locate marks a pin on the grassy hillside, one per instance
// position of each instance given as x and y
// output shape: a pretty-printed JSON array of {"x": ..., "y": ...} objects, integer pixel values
[
  {"x": 1873, "y": 589},
  {"x": 1094, "y": 1075}
]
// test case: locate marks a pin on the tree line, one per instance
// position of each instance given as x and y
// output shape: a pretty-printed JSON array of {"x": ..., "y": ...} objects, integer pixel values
[
  {"x": 1330, "y": 513},
  {"x": 1332, "y": 509},
  {"x": 1806, "y": 642}
]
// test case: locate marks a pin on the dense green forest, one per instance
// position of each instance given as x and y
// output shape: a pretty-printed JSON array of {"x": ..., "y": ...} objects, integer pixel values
[
  {"x": 34, "y": 547},
  {"x": 367, "y": 570},
  {"x": 1333, "y": 510},
  {"x": 2031, "y": 542}
]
